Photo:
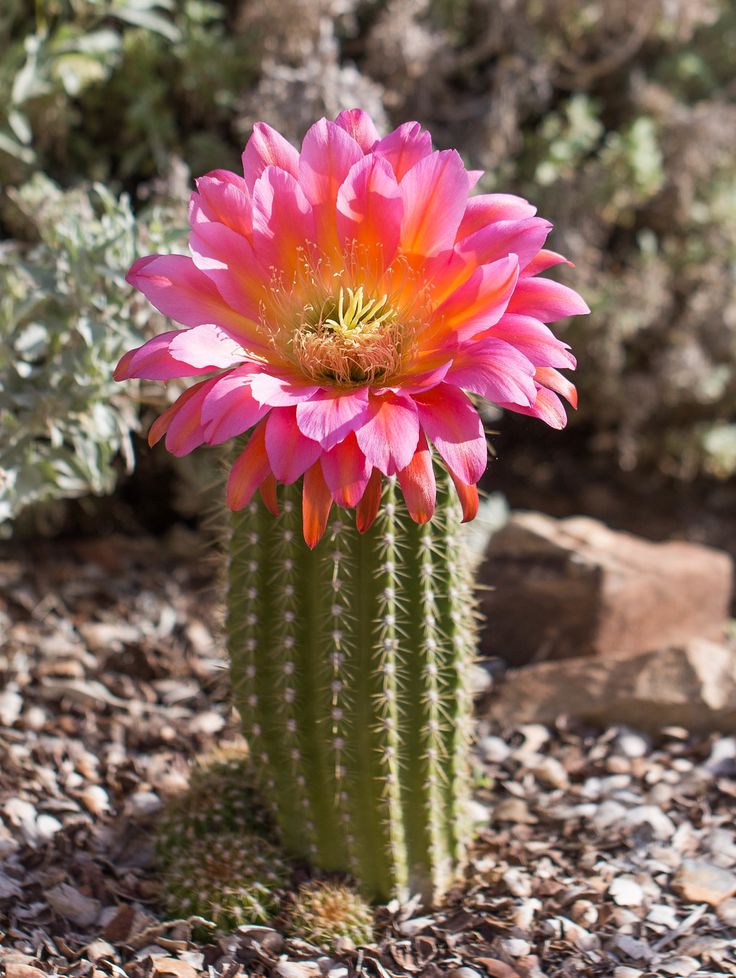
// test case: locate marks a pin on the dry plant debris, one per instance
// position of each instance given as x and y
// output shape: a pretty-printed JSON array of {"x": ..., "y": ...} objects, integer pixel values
[{"x": 601, "y": 853}]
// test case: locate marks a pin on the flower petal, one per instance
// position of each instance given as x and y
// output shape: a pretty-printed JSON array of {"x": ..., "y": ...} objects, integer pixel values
[
  {"x": 468, "y": 496},
  {"x": 289, "y": 452},
  {"x": 367, "y": 509},
  {"x": 346, "y": 472},
  {"x": 283, "y": 222},
  {"x": 369, "y": 213},
  {"x": 223, "y": 196},
  {"x": 389, "y": 433},
  {"x": 359, "y": 125},
  {"x": 545, "y": 299},
  {"x": 404, "y": 147},
  {"x": 495, "y": 370},
  {"x": 454, "y": 427},
  {"x": 185, "y": 430},
  {"x": 522, "y": 238},
  {"x": 161, "y": 425},
  {"x": 435, "y": 193},
  {"x": 331, "y": 416},
  {"x": 229, "y": 407},
  {"x": 328, "y": 152},
  {"x": 153, "y": 360},
  {"x": 178, "y": 289},
  {"x": 547, "y": 407},
  {"x": 251, "y": 468},
  {"x": 206, "y": 347},
  {"x": 267, "y": 490},
  {"x": 280, "y": 391},
  {"x": 548, "y": 377},
  {"x": 267, "y": 147},
  {"x": 477, "y": 304},
  {"x": 544, "y": 260},
  {"x": 316, "y": 505},
  {"x": 418, "y": 483},
  {"x": 535, "y": 340},
  {"x": 489, "y": 208}
]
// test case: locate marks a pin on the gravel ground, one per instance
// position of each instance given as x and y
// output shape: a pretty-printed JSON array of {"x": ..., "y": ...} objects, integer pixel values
[{"x": 602, "y": 853}]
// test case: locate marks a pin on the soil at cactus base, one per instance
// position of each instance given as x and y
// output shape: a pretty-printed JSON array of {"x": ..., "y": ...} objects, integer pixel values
[{"x": 603, "y": 853}]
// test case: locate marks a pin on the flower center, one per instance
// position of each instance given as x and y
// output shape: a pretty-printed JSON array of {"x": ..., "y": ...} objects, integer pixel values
[{"x": 349, "y": 339}]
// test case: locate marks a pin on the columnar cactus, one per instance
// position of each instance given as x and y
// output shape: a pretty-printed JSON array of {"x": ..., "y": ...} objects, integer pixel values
[
  {"x": 341, "y": 304},
  {"x": 349, "y": 666}
]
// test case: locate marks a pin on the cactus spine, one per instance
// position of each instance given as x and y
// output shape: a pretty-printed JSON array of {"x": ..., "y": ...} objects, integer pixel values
[{"x": 349, "y": 667}]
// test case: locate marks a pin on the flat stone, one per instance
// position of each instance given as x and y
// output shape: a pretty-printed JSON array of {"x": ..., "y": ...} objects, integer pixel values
[
  {"x": 626, "y": 892},
  {"x": 702, "y": 882},
  {"x": 568, "y": 588},
  {"x": 691, "y": 685}
]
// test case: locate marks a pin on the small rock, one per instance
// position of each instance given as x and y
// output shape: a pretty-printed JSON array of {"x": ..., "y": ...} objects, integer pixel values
[
  {"x": 478, "y": 813},
  {"x": 661, "y": 824},
  {"x": 584, "y": 912},
  {"x": 296, "y": 969},
  {"x": 664, "y": 915},
  {"x": 682, "y": 966},
  {"x": 339, "y": 971},
  {"x": 493, "y": 749},
  {"x": 95, "y": 799},
  {"x": 99, "y": 949},
  {"x": 480, "y": 680},
  {"x": 624, "y": 972},
  {"x": 464, "y": 972},
  {"x": 11, "y": 704},
  {"x": 632, "y": 744},
  {"x": 516, "y": 947},
  {"x": 513, "y": 810},
  {"x": 702, "y": 882},
  {"x": 46, "y": 827},
  {"x": 414, "y": 926},
  {"x": 208, "y": 722},
  {"x": 144, "y": 803},
  {"x": 633, "y": 948},
  {"x": 726, "y": 912},
  {"x": 173, "y": 968},
  {"x": 519, "y": 883},
  {"x": 14, "y": 969},
  {"x": 626, "y": 892},
  {"x": 70, "y": 903},
  {"x": 550, "y": 771}
]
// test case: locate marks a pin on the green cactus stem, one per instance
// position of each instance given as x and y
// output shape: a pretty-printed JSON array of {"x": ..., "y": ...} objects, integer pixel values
[{"x": 350, "y": 671}]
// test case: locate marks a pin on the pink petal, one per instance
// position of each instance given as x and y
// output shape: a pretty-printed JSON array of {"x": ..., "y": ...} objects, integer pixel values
[
  {"x": 266, "y": 147},
  {"x": 251, "y": 468},
  {"x": 489, "y": 208},
  {"x": 454, "y": 427},
  {"x": 496, "y": 371},
  {"x": 435, "y": 193},
  {"x": 327, "y": 154},
  {"x": 535, "y": 340},
  {"x": 222, "y": 196},
  {"x": 546, "y": 299},
  {"x": 267, "y": 492},
  {"x": 548, "y": 377},
  {"x": 473, "y": 177},
  {"x": 418, "y": 484},
  {"x": 547, "y": 407},
  {"x": 479, "y": 303},
  {"x": 468, "y": 496},
  {"x": 185, "y": 430},
  {"x": 544, "y": 260},
  {"x": 153, "y": 361},
  {"x": 228, "y": 260},
  {"x": 330, "y": 416},
  {"x": 289, "y": 452},
  {"x": 280, "y": 391},
  {"x": 206, "y": 347},
  {"x": 522, "y": 238},
  {"x": 367, "y": 509},
  {"x": 177, "y": 288},
  {"x": 404, "y": 147},
  {"x": 346, "y": 472},
  {"x": 359, "y": 125},
  {"x": 161, "y": 425},
  {"x": 369, "y": 212},
  {"x": 316, "y": 505},
  {"x": 283, "y": 222},
  {"x": 229, "y": 407},
  {"x": 389, "y": 434}
]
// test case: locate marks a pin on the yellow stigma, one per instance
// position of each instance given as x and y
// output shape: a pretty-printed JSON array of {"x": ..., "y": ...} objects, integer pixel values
[{"x": 349, "y": 339}]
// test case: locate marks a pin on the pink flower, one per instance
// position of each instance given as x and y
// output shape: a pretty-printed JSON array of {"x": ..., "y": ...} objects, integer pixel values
[{"x": 341, "y": 302}]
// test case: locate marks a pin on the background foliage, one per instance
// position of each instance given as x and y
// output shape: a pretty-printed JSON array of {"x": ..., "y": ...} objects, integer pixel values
[{"x": 618, "y": 118}]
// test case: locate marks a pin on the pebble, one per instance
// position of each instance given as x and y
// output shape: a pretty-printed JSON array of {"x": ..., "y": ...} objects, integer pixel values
[
  {"x": 413, "y": 926},
  {"x": 519, "y": 884},
  {"x": 46, "y": 827},
  {"x": 661, "y": 824},
  {"x": 513, "y": 810},
  {"x": 339, "y": 971},
  {"x": 551, "y": 772},
  {"x": 99, "y": 949},
  {"x": 682, "y": 966},
  {"x": 584, "y": 912},
  {"x": 664, "y": 915},
  {"x": 702, "y": 882},
  {"x": 726, "y": 912},
  {"x": 722, "y": 757},
  {"x": 144, "y": 802},
  {"x": 623, "y": 972},
  {"x": 464, "y": 972},
  {"x": 626, "y": 892},
  {"x": 516, "y": 947},
  {"x": 11, "y": 704},
  {"x": 493, "y": 749},
  {"x": 95, "y": 799},
  {"x": 478, "y": 813},
  {"x": 296, "y": 969},
  {"x": 631, "y": 744}
]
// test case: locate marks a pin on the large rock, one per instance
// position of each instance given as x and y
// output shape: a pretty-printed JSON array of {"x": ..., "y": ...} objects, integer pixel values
[
  {"x": 692, "y": 686},
  {"x": 573, "y": 587}
]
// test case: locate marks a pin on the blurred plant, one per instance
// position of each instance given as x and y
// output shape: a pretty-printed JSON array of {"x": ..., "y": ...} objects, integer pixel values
[
  {"x": 65, "y": 318},
  {"x": 330, "y": 915}
]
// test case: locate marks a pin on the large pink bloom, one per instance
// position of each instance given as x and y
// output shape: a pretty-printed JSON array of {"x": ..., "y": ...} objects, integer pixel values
[{"x": 341, "y": 302}]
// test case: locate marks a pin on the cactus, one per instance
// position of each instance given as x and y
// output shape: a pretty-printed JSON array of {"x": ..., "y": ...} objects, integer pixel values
[
  {"x": 349, "y": 668},
  {"x": 329, "y": 914}
]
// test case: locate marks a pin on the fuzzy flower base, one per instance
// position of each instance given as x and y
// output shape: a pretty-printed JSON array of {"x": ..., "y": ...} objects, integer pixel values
[{"x": 340, "y": 303}]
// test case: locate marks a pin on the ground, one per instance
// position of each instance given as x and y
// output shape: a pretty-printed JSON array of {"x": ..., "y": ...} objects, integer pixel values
[{"x": 602, "y": 853}]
